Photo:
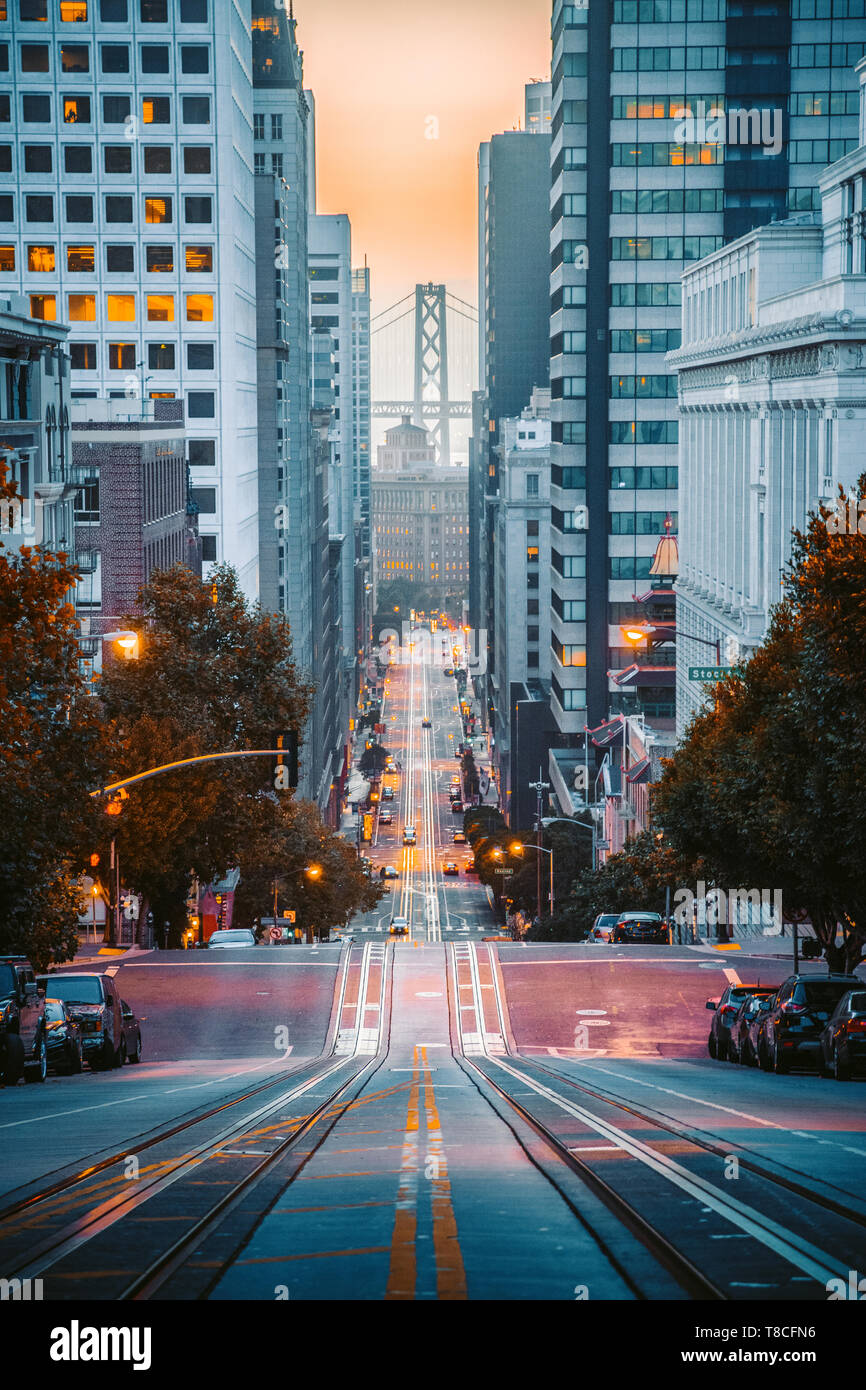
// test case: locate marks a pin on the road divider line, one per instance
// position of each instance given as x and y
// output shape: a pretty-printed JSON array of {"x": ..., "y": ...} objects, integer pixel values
[
  {"x": 403, "y": 1269},
  {"x": 450, "y": 1272}
]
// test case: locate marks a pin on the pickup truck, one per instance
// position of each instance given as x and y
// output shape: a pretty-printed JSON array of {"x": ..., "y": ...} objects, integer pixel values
[
  {"x": 23, "y": 1045},
  {"x": 93, "y": 1001}
]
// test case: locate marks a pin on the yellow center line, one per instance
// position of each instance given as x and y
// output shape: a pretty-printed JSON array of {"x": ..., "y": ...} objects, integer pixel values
[
  {"x": 450, "y": 1274},
  {"x": 403, "y": 1272}
]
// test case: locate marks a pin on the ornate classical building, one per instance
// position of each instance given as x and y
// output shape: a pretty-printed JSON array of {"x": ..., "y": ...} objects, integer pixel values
[{"x": 772, "y": 408}]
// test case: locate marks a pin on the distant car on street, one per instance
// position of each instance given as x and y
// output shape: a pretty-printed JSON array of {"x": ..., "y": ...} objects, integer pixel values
[
  {"x": 409, "y": 835},
  {"x": 801, "y": 1008},
  {"x": 131, "y": 1032},
  {"x": 399, "y": 926},
  {"x": 387, "y": 793},
  {"x": 459, "y": 837},
  {"x": 603, "y": 926},
  {"x": 632, "y": 927},
  {"x": 388, "y": 871},
  {"x": 469, "y": 867},
  {"x": 426, "y": 724},
  {"x": 843, "y": 1041},
  {"x": 386, "y": 818},
  {"x": 457, "y": 807},
  {"x": 725, "y": 1010},
  {"x": 232, "y": 939},
  {"x": 449, "y": 867},
  {"x": 63, "y": 1039}
]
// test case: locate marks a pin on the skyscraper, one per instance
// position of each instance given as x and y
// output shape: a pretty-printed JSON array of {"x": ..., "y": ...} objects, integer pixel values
[
  {"x": 637, "y": 192},
  {"x": 126, "y": 210}
]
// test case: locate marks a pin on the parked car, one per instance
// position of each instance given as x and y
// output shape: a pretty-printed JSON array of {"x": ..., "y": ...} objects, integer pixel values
[
  {"x": 459, "y": 837},
  {"x": 409, "y": 835},
  {"x": 725, "y": 1010},
  {"x": 63, "y": 1039},
  {"x": 631, "y": 927},
  {"x": 399, "y": 926},
  {"x": 449, "y": 867},
  {"x": 603, "y": 926},
  {"x": 469, "y": 867},
  {"x": 743, "y": 1032},
  {"x": 456, "y": 807},
  {"x": 843, "y": 1040},
  {"x": 230, "y": 939},
  {"x": 94, "y": 1003},
  {"x": 131, "y": 1033},
  {"x": 801, "y": 1008},
  {"x": 23, "y": 1046},
  {"x": 386, "y": 818},
  {"x": 387, "y": 793}
]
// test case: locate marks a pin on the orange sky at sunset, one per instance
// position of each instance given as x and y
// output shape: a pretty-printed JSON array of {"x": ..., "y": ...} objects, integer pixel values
[{"x": 379, "y": 69}]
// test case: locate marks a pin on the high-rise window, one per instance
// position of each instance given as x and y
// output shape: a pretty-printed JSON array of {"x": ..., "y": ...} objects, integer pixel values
[
  {"x": 114, "y": 57},
  {"x": 39, "y": 207},
  {"x": 79, "y": 208},
  {"x": 154, "y": 11},
  {"x": 198, "y": 258},
  {"x": 117, "y": 159},
  {"x": 38, "y": 159},
  {"x": 158, "y": 210},
  {"x": 78, "y": 159},
  {"x": 200, "y": 357},
  {"x": 44, "y": 306},
  {"x": 115, "y": 110},
  {"x": 160, "y": 308},
  {"x": 160, "y": 357},
  {"x": 120, "y": 260},
  {"x": 196, "y": 110},
  {"x": 157, "y": 159},
  {"x": 258, "y": 126},
  {"x": 34, "y": 57},
  {"x": 33, "y": 10},
  {"x": 196, "y": 159},
  {"x": 81, "y": 308},
  {"x": 75, "y": 57},
  {"x": 7, "y": 259},
  {"x": 156, "y": 110},
  {"x": 121, "y": 357},
  {"x": 159, "y": 258},
  {"x": 194, "y": 58},
  {"x": 82, "y": 358},
  {"x": 113, "y": 11},
  {"x": 118, "y": 208},
  {"x": 154, "y": 57},
  {"x": 120, "y": 308},
  {"x": 81, "y": 260},
  {"x": 76, "y": 110},
  {"x": 198, "y": 210},
  {"x": 36, "y": 108},
  {"x": 199, "y": 308}
]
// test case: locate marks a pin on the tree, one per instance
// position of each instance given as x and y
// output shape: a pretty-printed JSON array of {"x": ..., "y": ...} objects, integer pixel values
[
  {"x": 215, "y": 674},
  {"x": 768, "y": 784},
  {"x": 634, "y": 878},
  {"x": 51, "y": 752},
  {"x": 296, "y": 840},
  {"x": 372, "y": 760}
]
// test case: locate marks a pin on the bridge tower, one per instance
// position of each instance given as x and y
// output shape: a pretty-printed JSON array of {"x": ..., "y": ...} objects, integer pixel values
[{"x": 431, "y": 368}]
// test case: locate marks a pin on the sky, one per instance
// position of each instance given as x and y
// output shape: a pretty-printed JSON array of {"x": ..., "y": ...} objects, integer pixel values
[{"x": 389, "y": 74}]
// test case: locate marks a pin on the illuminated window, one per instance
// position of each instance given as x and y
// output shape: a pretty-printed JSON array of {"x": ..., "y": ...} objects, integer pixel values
[
  {"x": 199, "y": 258},
  {"x": 82, "y": 358},
  {"x": 81, "y": 260},
  {"x": 7, "y": 258},
  {"x": 199, "y": 308},
  {"x": 44, "y": 306},
  {"x": 156, "y": 110},
  {"x": 75, "y": 57},
  {"x": 121, "y": 357},
  {"x": 40, "y": 258},
  {"x": 160, "y": 308},
  {"x": 73, "y": 11},
  {"x": 157, "y": 210},
  {"x": 76, "y": 109},
  {"x": 82, "y": 307},
  {"x": 120, "y": 308}
]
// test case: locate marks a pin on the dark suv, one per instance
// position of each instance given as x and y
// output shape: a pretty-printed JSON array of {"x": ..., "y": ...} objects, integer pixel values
[
  {"x": 795, "y": 1021},
  {"x": 23, "y": 1047},
  {"x": 94, "y": 1003}
]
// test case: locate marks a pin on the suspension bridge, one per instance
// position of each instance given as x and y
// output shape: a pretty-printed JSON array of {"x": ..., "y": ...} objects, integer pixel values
[{"x": 425, "y": 346}]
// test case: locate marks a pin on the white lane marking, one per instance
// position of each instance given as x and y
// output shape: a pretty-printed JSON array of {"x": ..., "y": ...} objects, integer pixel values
[
  {"x": 229, "y": 1076},
  {"x": 81, "y": 1110},
  {"x": 599, "y": 1012},
  {"x": 791, "y": 1247},
  {"x": 731, "y": 975},
  {"x": 226, "y": 964},
  {"x": 716, "y": 1105},
  {"x": 595, "y": 1149}
]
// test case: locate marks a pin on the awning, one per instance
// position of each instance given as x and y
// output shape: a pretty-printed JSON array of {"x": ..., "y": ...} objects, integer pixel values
[
  {"x": 639, "y": 772},
  {"x": 606, "y": 733},
  {"x": 647, "y": 675}
]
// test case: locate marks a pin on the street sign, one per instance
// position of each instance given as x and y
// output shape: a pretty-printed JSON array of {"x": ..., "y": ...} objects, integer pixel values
[
  {"x": 276, "y": 933},
  {"x": 289, "y": 914},
  {"x": 709, "y": 673},
  {"x": 503, "y": 871}
]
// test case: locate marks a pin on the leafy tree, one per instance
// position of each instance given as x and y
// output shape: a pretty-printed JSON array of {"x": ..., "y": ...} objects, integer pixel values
[
  {"x": 295, "y": 841},
  {"x": 767, "y": 785},
  {"x": 214, "y": 675},
  {"x": 372, "y": 760},
  {"x": 51, "y": 752}
]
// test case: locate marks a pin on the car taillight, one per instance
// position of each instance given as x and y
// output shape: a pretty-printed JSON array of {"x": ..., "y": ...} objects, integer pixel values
[
  {"x": 790, "y": 1008},
  {"x": 727, "y": 1009},
  {"x": 856, "y": 1025}
]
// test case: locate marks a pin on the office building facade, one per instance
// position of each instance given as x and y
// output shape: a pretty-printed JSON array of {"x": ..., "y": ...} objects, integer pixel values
[
  {"x": 772, "y": 380},
  {"x": 126, "y": 210},
  {"x": 637, "y": 191}
]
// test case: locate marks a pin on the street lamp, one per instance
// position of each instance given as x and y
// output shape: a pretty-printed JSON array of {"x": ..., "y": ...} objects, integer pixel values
[
  {"x": 127, "y": 640},
  {"x": 636, "y": 635},
  {"x": 517, "y": 849}
]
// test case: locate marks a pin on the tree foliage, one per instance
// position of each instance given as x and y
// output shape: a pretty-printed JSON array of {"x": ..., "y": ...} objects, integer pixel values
[
  {"x": 768, "y": 784},
  {"x": 51, "y": 752}
]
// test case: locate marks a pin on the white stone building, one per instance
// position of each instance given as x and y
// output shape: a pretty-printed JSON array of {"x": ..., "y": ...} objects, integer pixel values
[{"x": 772, "y": 408}]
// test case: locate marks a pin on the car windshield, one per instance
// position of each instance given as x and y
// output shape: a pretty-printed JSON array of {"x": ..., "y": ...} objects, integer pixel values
[
  {"x": 857, "y": 1003},
  {"x": 222, "y": 936},
  {"x": 823, "y": 995},
  {"x": 8, "y": 983},
  {"x": 54, "y": 1011},
  {"x": 607, "y": 919},
  {"x": 75, "y": 989}
]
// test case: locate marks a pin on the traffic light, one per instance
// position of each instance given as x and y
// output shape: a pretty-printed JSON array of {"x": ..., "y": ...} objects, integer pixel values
[{"x": 285, "y": 767}]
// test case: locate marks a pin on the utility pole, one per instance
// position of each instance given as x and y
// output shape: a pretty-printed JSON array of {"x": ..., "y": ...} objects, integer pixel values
[{"x": 540, "y": 787}]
